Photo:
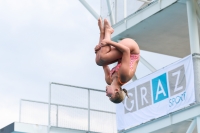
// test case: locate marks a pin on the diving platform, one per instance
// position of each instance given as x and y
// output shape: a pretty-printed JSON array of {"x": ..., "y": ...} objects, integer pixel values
[
  {"x": 161, "y": 27},
  {"x": 18, "y": 127}
]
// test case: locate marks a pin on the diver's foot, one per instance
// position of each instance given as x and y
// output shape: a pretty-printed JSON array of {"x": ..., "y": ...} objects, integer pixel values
[
  {"x": 107, "y": 27},
  {"x": 100, "y": 24}
]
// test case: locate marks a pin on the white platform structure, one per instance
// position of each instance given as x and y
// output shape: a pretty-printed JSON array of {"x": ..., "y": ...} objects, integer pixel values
[
  {"x": 169, "y": 27},
  {"x": 71, "y": 109},
  {"x": 18, "y": 127}
]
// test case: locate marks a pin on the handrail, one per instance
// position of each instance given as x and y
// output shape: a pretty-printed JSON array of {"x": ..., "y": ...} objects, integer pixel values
[
  {"x": 68, "y": 106},
  {"x": 86, "y": 88},
  {"x": 49, "y": 104}
]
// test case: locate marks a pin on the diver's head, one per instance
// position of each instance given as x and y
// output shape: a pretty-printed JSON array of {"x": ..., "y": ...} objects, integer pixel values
[{"x": 115, "y": 93}]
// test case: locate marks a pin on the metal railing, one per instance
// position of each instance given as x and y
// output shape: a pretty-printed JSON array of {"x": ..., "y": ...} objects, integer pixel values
[
  {"x": 89, "y": 112},
  {"x": 117, "y": 10},
  {"x": 84, "y": 103},
  {"x": 34, "y": 112},
  {"x": 92, "y": 101}
]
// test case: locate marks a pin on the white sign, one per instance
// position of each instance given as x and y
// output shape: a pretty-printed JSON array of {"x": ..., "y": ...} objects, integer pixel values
[{"x": 157, "y": 94}]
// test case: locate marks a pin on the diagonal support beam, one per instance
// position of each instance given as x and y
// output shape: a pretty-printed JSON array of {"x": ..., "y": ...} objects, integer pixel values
[
  {"x": 146, "y": 1},
  {"x": 192, "y": 126},
  {"x": 134, "y": 78},
  {"x": 147, "y": 64},
  {"x": 89, "y": 8}
]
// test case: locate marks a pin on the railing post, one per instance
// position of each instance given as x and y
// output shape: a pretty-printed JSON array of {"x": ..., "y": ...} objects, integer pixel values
[
  {"x": 88, "y": 110},
  {"x": 20, "y": 106},
  {"x": 49, "y": 109},
  {"x": 57, "y": 115}
]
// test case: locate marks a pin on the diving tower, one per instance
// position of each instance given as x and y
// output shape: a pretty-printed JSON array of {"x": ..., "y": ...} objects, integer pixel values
[{"x": 169, "y": 27}]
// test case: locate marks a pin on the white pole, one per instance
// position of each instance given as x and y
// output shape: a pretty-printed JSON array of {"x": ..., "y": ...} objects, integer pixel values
[
  {"x": 87, "y": 6},
  {"x": 112, "y": 21},
  {"x": 193, "y": 27},
  {"x": 88, "y": 110},
  {"x": 49, "y": 109},
  {"x": 192, "y": 126},
  {"x": 20, "y": 104},
  {"x": 197, "y": 9},
  {"x": 198, "y": 124},
  {"x": 57, "y": 115},
  {"x": 115, "y": 11}
]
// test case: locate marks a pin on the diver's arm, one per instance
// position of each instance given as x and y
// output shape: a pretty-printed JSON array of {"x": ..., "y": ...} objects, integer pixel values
[{"x": 107, "y": 74}]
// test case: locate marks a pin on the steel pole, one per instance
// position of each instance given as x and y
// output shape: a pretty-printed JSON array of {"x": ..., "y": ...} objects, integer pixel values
[
  {"x": 197, "y": 10},
  {"x": 193, "y": 27},
  {"x": 198, "y": 124},
  {"x": 20, "y": 106},
  {"x": 112, "y": 21},
  {"x": 115, "y": 11},
  {"x": 49, "y": 109},
  {"x": 192, "y": 126},
  {"x": 88, "y": 110},
  {"x": 57, "y": 115}
]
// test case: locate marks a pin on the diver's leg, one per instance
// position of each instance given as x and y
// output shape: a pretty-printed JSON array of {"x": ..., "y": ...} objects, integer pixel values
[
  {"x": 102, "y": 50},
  {"x": 108, "y": 54}
]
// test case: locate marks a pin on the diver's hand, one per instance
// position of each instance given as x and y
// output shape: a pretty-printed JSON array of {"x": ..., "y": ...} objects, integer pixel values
[{"x": 105, "y": 42}]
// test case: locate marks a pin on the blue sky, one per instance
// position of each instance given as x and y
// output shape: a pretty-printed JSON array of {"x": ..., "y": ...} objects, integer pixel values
[{"x": 44, "y": 41}]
